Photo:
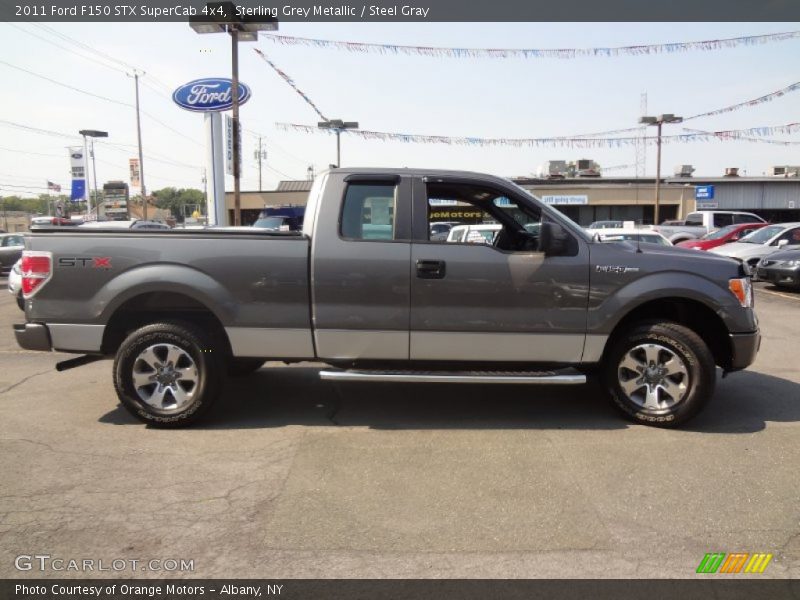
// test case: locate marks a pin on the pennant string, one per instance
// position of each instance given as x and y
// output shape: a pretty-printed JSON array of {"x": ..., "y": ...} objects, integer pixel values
[
  {"x": 291, "y": 82},
  {"x": 533, "y": 53},
  {"x": 751, "y": 134}
]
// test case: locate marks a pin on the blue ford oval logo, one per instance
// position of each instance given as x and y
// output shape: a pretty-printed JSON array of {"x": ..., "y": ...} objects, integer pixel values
[{"x": 210, "y": 94}]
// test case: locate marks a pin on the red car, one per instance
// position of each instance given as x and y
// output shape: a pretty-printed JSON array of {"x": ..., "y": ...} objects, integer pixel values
[{"x": 730, "y": 233}]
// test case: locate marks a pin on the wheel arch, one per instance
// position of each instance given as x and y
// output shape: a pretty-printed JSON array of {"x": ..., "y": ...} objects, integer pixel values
[
  {"x": 152, "y": 306},
  {"x": 691, "y": 313}
]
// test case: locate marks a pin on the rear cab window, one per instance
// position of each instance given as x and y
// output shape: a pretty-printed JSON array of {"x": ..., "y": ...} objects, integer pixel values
[
  {"x": 694, "y": 219},
  {"x": 368, "y": 212}
]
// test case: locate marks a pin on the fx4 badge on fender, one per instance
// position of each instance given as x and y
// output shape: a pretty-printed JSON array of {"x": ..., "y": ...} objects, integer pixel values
[
  {"x": 95, "y": 262},
  {"x": 616, "y": 269}
]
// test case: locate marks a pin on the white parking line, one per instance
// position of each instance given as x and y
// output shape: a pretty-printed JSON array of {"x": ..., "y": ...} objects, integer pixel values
[{"x": 789, "y": 296}]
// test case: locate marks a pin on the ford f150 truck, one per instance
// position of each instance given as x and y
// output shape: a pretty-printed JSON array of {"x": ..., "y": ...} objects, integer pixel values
[{"x": 365, "y": 289}]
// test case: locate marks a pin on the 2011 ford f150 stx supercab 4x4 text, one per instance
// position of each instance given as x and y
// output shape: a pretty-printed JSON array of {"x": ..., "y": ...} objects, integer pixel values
[{"x": 364, "y": 289}]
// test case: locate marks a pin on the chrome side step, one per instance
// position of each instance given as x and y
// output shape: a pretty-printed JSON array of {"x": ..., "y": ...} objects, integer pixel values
[{"x": 560, "y": 377}]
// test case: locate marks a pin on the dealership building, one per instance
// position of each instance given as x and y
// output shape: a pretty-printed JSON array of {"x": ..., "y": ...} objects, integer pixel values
[{"x": 589, "y": 199}]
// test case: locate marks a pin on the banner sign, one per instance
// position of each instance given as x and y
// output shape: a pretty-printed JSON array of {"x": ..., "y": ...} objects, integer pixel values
[
  {"x": 136, "y": 180},
  {"x": 228, "y": 144},
  {"x": 78, "y": 190},
  {"x": 78, "y": 170},
  {"x": 569, "y": 200}
]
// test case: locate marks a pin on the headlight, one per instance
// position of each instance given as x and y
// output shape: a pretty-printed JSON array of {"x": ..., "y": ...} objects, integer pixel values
[
  {"x": 792, "y": 263},
  {"x": 743, "y": 290}
]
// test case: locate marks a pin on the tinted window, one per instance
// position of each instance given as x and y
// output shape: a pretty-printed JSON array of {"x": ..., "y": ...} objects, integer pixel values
[
  {"x": 14, "y": 240},
  {"x": 745, "y": 219},
  {"x": 368, "y": 212},
  {"x": 722, "y": 220}
]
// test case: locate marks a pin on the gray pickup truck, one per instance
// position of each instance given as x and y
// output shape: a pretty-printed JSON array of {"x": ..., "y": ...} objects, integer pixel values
[{"x": 364, "y": 289}]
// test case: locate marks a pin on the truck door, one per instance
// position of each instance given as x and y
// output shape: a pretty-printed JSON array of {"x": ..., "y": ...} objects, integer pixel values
[
  {"x": 496, "y": 296},
  {"x": 360, "y": 273}
]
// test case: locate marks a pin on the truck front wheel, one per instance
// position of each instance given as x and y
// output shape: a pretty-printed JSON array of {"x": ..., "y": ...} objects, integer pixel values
[
  {"x": 660, "y": 374},
  {"x": 168, "y": 374}
]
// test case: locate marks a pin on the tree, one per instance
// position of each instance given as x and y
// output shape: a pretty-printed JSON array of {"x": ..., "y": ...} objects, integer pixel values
[{"x": 175, "y": 199}]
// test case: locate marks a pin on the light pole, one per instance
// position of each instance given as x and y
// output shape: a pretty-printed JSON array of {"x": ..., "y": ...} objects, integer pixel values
[
  {"x": 222, "y": 17},
  {"x": 658, "y": 122},
  {"x": 91, "y": 133},
  {"x": 338, "y": 125}
]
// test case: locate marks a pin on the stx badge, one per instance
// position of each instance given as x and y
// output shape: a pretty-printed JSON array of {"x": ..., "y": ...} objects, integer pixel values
[{"x": 95, "y": 262}]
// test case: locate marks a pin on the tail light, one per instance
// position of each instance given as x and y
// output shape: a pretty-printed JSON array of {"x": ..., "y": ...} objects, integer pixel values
[{"x": 37, "y": 268}]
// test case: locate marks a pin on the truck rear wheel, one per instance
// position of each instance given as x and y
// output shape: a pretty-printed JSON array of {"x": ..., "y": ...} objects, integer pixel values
[
  {"x": 167, "y": 374},
  {"x": 660, "y": 374}
]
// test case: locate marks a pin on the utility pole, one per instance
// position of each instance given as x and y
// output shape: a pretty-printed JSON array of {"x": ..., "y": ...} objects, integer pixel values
[
  {"x": 259, "y": 156},
  {"x": 141, "y": 155}
]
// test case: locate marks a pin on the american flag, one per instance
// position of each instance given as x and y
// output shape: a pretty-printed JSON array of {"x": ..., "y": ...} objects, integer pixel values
[{"x": 53, "y": 186}]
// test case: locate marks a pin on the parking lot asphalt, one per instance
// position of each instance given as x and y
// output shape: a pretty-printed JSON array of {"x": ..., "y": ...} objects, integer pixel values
[{"x": 295, "y": 477}]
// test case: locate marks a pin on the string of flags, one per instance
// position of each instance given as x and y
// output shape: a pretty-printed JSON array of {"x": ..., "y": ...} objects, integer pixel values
[
  {"x": 562, "y": 142},
  {"x": 752, "y": 139},
  {"x": 533, "y": 53},
  {"x": 600, "y": 134},
  {"x": 291, "y": 82}
]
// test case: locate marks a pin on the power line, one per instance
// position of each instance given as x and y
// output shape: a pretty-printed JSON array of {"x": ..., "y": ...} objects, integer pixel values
[
  {"x": 26, "y": 152},
  {"x": 38, "y": 130},
  {"x": 80, "y": 91},
  {"x": 89, "y": 58},
  {"x": 66, "y": 85}
]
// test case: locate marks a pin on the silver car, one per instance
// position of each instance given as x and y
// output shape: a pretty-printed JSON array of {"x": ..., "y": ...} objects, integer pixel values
[
  {"x": 15, "y": 283},
  {"x": 753, "y": 247}
]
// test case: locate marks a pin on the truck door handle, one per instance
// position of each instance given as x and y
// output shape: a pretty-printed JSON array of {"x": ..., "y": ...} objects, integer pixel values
[{"x": 430, "y": 269}]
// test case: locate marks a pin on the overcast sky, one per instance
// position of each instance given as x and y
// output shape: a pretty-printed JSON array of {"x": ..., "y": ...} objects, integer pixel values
[{"x": 437, "y": 96}]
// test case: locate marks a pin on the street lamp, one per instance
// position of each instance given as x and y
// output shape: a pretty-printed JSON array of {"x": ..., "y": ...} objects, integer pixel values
[
  {"x": 91, "y": 133},
  {"x": 659, "y": 121},
  {"x": 221, "y": 17},
  {"x": 338, "y": 125}
]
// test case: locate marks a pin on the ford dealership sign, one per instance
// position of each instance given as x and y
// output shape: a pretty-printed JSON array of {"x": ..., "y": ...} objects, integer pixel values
[{"x": 210, "y": 94}]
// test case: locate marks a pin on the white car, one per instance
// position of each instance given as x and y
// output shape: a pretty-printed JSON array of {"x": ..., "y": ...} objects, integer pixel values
[
  {"x": 130, "y": 224},
  {"x": 15, "y": 283},
  {"x": 474, "y": 234},
  {"x": 632, "y": 235},
  {"x": 753, "y": 247}
]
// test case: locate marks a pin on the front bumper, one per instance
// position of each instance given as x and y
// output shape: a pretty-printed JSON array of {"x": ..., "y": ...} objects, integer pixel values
[
  {"x": 780, "y": 275},
  {"x": 33, "y": 336},
  {"x": 744, "y": 347}
]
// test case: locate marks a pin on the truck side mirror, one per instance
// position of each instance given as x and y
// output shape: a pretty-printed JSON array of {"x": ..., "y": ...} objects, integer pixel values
[{"x": 553, "y": 238}]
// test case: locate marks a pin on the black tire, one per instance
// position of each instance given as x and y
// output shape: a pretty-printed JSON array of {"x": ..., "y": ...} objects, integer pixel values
[
  {"x": 243, "y": 366},
  {"x": 691, "y": 379},
  {"x": 154, "y": 343}
]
